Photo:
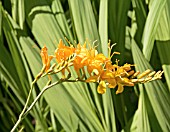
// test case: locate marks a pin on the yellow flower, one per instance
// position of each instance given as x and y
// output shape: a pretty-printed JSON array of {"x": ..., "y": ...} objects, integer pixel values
[
  {"x": 96, "y": 62},
  {"x": 101, "y": 89},
  {"x": 114, "y": 76},
  {"x": 120, "y": 82},
  {"x": 118, "y": 77},
  {"x": 99, "y": 67}
]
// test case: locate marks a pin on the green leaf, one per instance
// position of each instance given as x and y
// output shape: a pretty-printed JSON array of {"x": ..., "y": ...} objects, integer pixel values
[
  {"x": 153, "y": 18},
  {"x": 163, "y": 50},
  {"x": 16, "y": 53},
  {"x": 43, "y": 24},
  {"x": 117, "y": 21},
  {"x": 162, "y": 43},
  {"x": 140, "y": 117},
  {"x": 18, "y": 13},
  {"x": 20, "y": 64},
  {"x": 10, "y": 67},
  {"x": 61, "y": 19},
  {"x": 156, "y": 94},
  {"x": 78, "y": 106},
  {"x": 140, "y": 8},
  {"x": 107, "y": 101},
  {"x": 103, "y": 26},
  {"x": 163, "y": 29},
  {"x": 109, "y": 112},
  {"x": 1, "y": 37},
  {"x": 84, "y": 21}
]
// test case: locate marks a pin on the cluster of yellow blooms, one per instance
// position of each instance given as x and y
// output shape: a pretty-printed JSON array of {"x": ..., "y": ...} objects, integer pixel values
[{"x": 99, "y": 67}]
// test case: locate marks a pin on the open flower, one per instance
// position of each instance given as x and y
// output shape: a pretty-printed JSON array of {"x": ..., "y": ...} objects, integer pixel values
[
  {"x": 96, "y": 62},
  {"x": 120, "y": 82},
  {"x": 88, "y": 57},
  {"x": 62, "y": 54},
  {"x": 114, "y": 76},
  {"x": 100, "y": 68},
  {"x": 81, "y": 58}
]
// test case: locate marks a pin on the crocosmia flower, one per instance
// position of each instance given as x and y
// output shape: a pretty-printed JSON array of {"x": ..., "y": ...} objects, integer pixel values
[
  {"x": 63, "y": 52},
  {"x": 45, "y": 58},
  {"x": 99, "y": 67},
  {"x": 81, "y": 58}
]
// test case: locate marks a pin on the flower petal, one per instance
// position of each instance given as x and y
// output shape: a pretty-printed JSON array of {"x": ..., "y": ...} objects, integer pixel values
[
  {"x": 101, "y": 89},
  {"x": 44, "y": 55},
  {"x": 112, "y": 83},
  {"x": 120, "y": 89},
  {"x": 92, "y": 79},
  {"x": 126, "y": 82}
]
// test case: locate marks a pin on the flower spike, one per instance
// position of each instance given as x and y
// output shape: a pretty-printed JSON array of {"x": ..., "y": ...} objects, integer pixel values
[{"x": 99, "y": 67}]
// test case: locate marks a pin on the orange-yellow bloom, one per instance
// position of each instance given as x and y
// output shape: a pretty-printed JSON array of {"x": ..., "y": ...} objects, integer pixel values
[
  {"x": 63, "y": 52},
  {"x": 99, "y": 67},
  {"x": 45, "y": 58},
  {"x": 114, "y": 77},
  {"x": 101, "y": 87},
  {"x": 96, "y": 63},
  {"x": 81, "y": 58}
]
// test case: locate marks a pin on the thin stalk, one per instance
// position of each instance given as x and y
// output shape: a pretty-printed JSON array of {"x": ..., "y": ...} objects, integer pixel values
[
  {"x": 39, "y": 95},
  {"x": 26, "y": 104},
  {"x": 25, "y": 112}
]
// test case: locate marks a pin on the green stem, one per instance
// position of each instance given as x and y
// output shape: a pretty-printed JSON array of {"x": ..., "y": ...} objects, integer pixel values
[
  {"x": 39, "y": 95},
  {"x": 25, "y": 112},
  {"x": 26, "y": 104}
]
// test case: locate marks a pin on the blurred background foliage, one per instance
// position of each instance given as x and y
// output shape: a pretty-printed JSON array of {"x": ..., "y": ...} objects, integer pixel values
[{"x": 141, "y": 29}]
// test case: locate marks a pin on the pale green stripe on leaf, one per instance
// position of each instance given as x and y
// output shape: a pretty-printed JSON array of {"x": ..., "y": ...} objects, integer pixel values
[
  {"x": 16, "y": 52},
  {"x": 18, "y": 12},
  {"x": 43, "y": 24},
  {"x": 163, "y": 50},
  {"x": 156, "y": 92},
  {"x": 84, "y": 21},
  {"x": 153, "y": 18},
  {"x": 103, "y": 26},
  {"x": 58, "y": 11}
]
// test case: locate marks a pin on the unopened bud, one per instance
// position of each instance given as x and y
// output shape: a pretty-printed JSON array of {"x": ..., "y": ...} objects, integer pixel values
[
  {"x": 135, "y": 74},
  {"x": 148, "y": 79},
  {"x": 151, "y": 74},
  {"x": 144, "y": 74},
  {"x": 130, "y": 73}
]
